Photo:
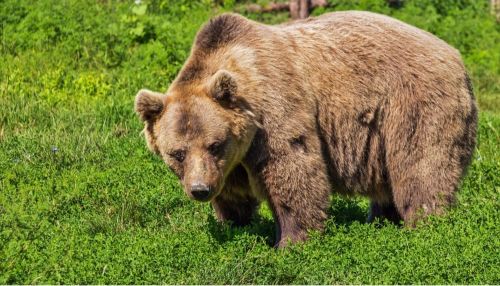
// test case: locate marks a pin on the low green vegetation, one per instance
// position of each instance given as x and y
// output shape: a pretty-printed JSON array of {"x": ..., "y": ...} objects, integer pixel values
[{"x": 83, "y": 201}]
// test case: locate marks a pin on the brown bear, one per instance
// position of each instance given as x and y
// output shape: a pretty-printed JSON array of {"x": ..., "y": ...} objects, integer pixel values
[{"x": 354, "y": 102}]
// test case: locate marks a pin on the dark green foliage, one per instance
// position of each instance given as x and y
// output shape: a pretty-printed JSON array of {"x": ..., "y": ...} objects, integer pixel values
[{"x": 83, "y": 201}]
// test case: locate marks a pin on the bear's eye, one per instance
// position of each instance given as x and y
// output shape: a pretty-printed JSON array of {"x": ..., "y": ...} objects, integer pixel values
[
  {"x": 178, "y": 155},
  {"x": 216, "y": 148}
]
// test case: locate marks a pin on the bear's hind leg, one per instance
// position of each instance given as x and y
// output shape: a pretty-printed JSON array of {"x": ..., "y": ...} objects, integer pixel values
[
  {"x": 383, "y": 211},
  {"x": 416, "y": 197},
  {"x": 425, "y": 183},
  {"x": 429, "y": 140}
]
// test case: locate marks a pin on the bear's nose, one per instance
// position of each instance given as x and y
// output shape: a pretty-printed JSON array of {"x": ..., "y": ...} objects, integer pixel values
[{"x": 200, "y": 191}]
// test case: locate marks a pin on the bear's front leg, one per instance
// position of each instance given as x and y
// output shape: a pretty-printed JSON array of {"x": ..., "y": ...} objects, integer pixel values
[
  {"x": 236, "y": 202},
  {"x": 296, "y": 184},
  {"x": 238, "y": 210}
]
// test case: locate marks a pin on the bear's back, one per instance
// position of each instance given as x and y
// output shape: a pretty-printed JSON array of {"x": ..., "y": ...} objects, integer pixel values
[{"x": 387, "y": 42}]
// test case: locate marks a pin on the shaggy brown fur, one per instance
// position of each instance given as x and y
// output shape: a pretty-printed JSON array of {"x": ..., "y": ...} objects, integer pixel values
[{"x": 354, "y": 102}]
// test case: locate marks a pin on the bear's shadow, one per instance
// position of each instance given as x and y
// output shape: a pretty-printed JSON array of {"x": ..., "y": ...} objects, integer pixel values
[{"x": 342, "y": 211}]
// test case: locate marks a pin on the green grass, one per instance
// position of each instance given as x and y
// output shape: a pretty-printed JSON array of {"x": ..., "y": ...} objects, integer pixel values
[{"x": 83, "y": 201}]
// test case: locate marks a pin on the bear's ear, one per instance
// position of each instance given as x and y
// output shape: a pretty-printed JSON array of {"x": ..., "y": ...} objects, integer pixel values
[
  {"x": 222, "y": 87},
  {"x": 148, "y": 104}
]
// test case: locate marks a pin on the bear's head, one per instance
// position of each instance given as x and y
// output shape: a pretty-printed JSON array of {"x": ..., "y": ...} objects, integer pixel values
[{"x": 201, "y": 131}]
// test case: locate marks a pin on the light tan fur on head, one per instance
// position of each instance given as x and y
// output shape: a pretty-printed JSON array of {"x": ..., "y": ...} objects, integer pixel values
[{"x": 202, "y": 131}]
